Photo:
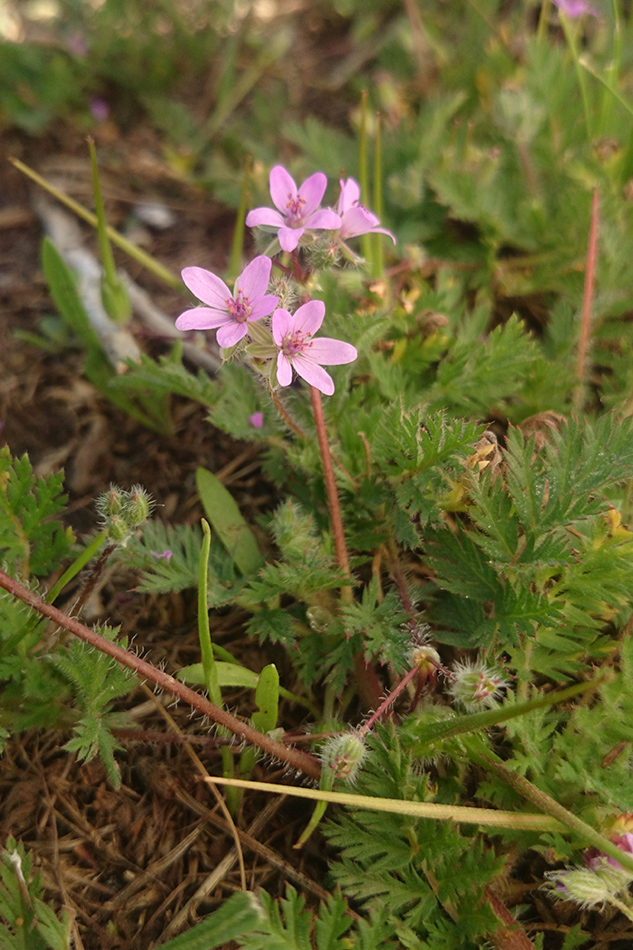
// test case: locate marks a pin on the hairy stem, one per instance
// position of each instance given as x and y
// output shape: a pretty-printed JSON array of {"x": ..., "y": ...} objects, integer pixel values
[
  {"x": 332, "y": 492},
  {"x": 293, "y": 757}
]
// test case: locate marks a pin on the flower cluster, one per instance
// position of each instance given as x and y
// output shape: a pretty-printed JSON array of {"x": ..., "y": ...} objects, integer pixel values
[
  {"x": 123, "y": 511},
  {"x": 287, "y": 341}
]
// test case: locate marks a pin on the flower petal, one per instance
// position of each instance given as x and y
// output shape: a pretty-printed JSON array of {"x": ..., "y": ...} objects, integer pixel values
[
  {"x": 324, "y": 218},
  {"x": 231, "y": 334},
  {"x": 263, "y": 306},
  {"x": 206, "y": 287},
  {"x": 331, "y": 352},
  {"x": 289, "y": 238},
  {"x": 350, "y": 195},
  {"x": 202, "y": 318},
  {"x": 282, "y": 187},
  {"x": 284, "y": 370},
  {"x": 313, "y": 374},
  {"x": 312, "y": 190},
  {"x": 264, "y": 216},
  {"x": 309, "y": 317},
  {"x": 282, "y": 325},
  {"x": 253, "y": 281}
]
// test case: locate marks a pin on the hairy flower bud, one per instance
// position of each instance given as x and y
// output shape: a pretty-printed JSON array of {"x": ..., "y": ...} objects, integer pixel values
[
  {"x": 343, "y": 755},
  {"x": 589, "y": 887},
  {"x": 118, "y": 529},
  {"x": 111, "y": 502},
  {"x": 137, "y": 507},
  {"x": 477, "y": 686}
]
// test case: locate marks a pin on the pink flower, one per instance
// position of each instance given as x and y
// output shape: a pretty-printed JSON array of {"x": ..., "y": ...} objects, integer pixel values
[
  {"x": 230, "y": 312},
  {"x": 257, "y": 419},
  {"x": 298, "y": 208},
  {"x": 167, "y": 554},
  {"x": 355, "y": 218},
  {"x": 299, "y": 351},
  {"x": 575, "y": 8}
]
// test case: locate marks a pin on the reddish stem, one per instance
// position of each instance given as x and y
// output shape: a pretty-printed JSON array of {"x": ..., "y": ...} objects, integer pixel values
[
  {"x": 387, "y": 701},
  {"x": 590, "y": 279},
  {"x": 332, "y": 491},
  {"x": 294, "y": 757}
]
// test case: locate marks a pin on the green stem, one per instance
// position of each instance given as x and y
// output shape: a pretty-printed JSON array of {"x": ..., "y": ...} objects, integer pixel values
[
  {"x": 552, "y": 808},
  {"x": 145, "y": 260},
  {"x": 78, "y": 564},
  {"x": 571, "y": 43}
]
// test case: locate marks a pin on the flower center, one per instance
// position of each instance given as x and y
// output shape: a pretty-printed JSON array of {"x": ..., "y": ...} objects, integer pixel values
[
  {"x": 239, "y": 307},
  {"x": 294, "y": 208},
  {"x": 297, "y": 342}
]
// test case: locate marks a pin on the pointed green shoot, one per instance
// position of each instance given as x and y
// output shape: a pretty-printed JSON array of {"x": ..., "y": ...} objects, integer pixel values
[
  {"x": 114, "y": 295},
  {"x": 378, "y": 242},
  {"x": 366, "y": 246},
  {"x": 204, "y": 631},
  {"x": 237, "y": 247}
]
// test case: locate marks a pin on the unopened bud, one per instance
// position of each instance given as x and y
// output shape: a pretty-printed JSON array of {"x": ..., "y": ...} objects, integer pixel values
[
  {"x": 118, "y": 529},
  {"x": 588, "y": 887},
  {"x": 319, "y": 618},
  {"x": 111, "y": 502},
  {"x": 343, "y": 756},
  {"x": 137, "y": 507}
]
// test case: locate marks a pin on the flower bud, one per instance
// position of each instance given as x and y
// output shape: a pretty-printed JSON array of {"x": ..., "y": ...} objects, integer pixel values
[
  {"x": 477, "y": 686},
  {"x": 118, "y": 529},
  {"x": 137, "y": 506},
  {"x": 111, "y": 502},
  {"x": 588, "y": 887},
  {"x": 319, "y": 619},
  {"x": 343, "y": 755}
]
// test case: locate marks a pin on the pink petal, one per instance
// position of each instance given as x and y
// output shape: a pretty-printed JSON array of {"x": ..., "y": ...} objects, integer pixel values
[
  {"x": 313, "y": 374},
  {"x": 282, "y": 187},
  {"x": 350, "y": 195},
  {"x": 331, "y": 352},
  {"x": 264, "y": 216},
  {"x": 282, "y": 325},
  {"x": 329, "y": 220},
  {"x": 206, "y": 287},
  {"x": 357, "y": 221},
  {"x": 289, "y": 238},
  {"x": 231, "y": 334},
  {"x": 256, "y": 419},
  {"x": 263, "y": 306},
  {"x": 253, "y": 281},
  {"x": 284, "y": 370},
  {"x": 309, "y": 317},
  {"x": 201, "y": 318},
  {"x": 312, "y": 190}
]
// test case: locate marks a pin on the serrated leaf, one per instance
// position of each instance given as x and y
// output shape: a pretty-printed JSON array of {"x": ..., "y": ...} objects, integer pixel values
[{"x": 239, "y": 914}]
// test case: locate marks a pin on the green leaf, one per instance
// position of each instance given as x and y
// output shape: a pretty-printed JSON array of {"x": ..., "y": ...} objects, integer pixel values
[
  {"x": 226, "y": 518},
  {"x": 267, "y": 699},
  {"x": 238, "y": 915},
  {"x": 63, "y": 288},
  {"x": 229, "y": 674}
]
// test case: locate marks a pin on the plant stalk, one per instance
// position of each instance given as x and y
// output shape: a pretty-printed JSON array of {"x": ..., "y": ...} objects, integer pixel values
[{"x": 294, "y": 757}]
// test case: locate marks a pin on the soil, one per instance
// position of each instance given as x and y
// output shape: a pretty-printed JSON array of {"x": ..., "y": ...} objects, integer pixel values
[{"x": 128, "y": 863}]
